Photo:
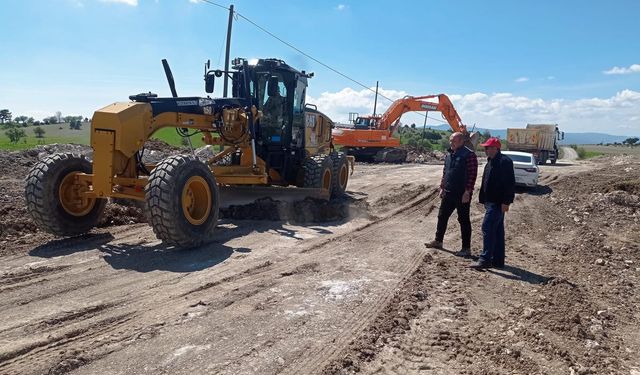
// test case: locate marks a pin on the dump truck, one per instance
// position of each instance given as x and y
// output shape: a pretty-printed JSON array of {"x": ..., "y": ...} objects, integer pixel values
[
  {"x": 541, "y": 140},
  {"x": 266, "y": 132}
]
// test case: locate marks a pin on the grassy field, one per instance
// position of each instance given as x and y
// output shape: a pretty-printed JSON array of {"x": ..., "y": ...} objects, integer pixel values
[
  {"x": 608, "y": 150},
  {"x": 60, "y": 133},
  {"x": 170, "y": 136}
]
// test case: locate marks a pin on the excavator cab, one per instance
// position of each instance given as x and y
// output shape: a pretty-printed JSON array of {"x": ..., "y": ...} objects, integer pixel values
[{"x": 364, "y": 123}]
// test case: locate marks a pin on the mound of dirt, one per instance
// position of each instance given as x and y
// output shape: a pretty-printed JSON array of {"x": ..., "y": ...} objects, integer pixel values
[
  {"x": 156, "y": 150},
  {"x": 307, "y": 211},
  {"x": 16, "y": 225},
  {"x": 122, "y": 212},
  {"x": 16, "y": 164},
  {"x": 421, "y": 156}
]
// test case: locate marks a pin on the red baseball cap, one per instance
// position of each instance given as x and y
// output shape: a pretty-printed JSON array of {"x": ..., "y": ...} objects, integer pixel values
[{"x": 492, "y": 142}]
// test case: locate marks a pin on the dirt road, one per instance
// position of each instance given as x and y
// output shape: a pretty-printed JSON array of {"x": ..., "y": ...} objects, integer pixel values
[
  {"x": 569, "y": 153},
  {"x": 360, "y": 294}
]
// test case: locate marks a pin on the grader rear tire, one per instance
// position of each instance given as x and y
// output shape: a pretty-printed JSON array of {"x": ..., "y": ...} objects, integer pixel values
[
  {"x": 318, "y": 172},
  {"x": 340, "y": 174},
  {"x": 54, "y": 198},
  {"x": 182, "y": 202}
]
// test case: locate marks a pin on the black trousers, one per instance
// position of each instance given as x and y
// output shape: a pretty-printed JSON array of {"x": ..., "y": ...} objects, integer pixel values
[{"x": 447, "y": 206}]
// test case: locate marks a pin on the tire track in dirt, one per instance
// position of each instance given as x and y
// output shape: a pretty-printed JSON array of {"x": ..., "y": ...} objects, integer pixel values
[
  {"x": 230, "y": 292},
  {"x": 371, "y": 314},
  {"x": 320, "y": 248},
  {"x": 522, "y": 322},
  {"x": 139, "y": 299},
  {"x": 36, "y": 352}
]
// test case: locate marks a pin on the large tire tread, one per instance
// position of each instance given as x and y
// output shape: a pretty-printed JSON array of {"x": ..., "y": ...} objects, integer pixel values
[
  {"x": 164, "y": 209},
  {"x": 42, "y": 200},
  {"x": 339, "y": 159},
  {"x": 314, "y": 168}
]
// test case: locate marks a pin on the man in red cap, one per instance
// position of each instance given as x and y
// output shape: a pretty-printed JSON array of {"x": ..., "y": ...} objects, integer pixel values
[
  {"x": 496, "y": 193},
  {"x": 456, "y": 187}
]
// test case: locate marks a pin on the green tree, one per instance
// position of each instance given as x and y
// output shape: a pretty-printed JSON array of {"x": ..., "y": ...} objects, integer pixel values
[
  {"x": 39, "y": 132},
  {"x": 15, "y": 134},
  {"x": 444, "y": 144},
  {"x": 75, "y": 124},
  {"x": 432, "y": 135},
  {"x": 631, "y": 141},
  {"x": 50, "y": 120},
  {"x": 21, "y": 119},
  {"x": 5, "y": 116}
]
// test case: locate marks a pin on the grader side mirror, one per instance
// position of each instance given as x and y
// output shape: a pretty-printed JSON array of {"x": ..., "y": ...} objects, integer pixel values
[{"x": 209, "y": 82}]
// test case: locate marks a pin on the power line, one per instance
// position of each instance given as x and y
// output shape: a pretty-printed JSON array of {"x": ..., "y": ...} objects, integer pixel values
[{"x": 307, "y": 55}]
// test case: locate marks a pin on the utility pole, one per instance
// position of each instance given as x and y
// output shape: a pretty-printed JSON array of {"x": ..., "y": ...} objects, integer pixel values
[
  {"x": 375, "y": 102},
  {"x": 424, "y": 127},
  {"x": 226, "y": 56}
]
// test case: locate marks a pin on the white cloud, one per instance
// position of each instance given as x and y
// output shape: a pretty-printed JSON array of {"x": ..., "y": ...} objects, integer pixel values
[
  {"x": 522, "y": 79},
  {"x": 634, "y": 68},
  {"x": 341, "y": 7},
  {"x": 618, "y": 114},
  {"x": 194, "y": 1},
  {"x": 133, "y": 3},
  {"x": 551, "y": 78}
]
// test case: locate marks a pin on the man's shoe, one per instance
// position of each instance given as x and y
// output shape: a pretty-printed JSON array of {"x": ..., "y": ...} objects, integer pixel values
[
  {"x": 482, "y": 264},
  {"x": 498, "y": 266},
  {"x": 434, "y": 244},
  {"x": 464, "y": 253}
]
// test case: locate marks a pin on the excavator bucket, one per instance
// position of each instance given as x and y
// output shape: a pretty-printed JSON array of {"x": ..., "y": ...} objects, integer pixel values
[{"x": 472, "y": 140}]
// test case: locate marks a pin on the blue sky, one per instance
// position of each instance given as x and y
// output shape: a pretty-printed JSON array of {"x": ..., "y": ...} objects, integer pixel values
[{"x": 504, "y": 63}]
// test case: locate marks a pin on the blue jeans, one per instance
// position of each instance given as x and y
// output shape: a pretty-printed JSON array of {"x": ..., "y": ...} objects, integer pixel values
[{"x": 493, "y": 235}]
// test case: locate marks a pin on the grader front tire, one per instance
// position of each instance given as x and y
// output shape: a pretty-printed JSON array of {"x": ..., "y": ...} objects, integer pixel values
[
  {"x": 182, "y": 202},
  {"x": 55, "y": 198}
]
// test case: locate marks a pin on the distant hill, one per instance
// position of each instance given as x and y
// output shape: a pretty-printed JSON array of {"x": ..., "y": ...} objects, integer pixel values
[{"x": 569, "y": 138}]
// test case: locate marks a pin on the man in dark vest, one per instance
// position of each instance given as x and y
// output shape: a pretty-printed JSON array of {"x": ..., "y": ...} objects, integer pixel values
[
  {"x": 456, "y": 188},
  {"x": 496, "y": 193}
]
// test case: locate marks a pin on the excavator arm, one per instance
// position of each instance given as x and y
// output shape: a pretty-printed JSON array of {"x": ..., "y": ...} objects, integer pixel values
[{"x": 389, "y": 119}]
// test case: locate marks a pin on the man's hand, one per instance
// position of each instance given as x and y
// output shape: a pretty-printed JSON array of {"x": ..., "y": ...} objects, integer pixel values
[
  {"x": 505, "y": 208},
  {"x": 441, "y": 193},
  {"x": 466, "y": 197}
]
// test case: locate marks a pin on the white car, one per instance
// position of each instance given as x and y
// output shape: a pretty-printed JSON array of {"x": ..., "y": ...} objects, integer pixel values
[{"x": 525, "y": 168}]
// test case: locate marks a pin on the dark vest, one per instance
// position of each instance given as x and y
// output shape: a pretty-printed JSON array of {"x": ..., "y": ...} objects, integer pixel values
[{"x": 455, "y": 172}]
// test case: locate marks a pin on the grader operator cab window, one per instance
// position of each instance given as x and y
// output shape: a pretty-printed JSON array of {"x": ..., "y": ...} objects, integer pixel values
[
  {"x": 273, "y": 99},
  {"x": 298, "y": 97}
]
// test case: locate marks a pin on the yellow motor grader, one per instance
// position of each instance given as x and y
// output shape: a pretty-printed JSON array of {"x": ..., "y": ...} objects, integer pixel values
[{"x": 266, "y": 133}]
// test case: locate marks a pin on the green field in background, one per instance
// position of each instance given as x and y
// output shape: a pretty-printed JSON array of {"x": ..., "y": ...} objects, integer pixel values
[{"x": 60, "y": 133}]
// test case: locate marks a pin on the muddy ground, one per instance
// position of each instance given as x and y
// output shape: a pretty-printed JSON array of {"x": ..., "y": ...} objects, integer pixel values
[{"x": 356, "y": 292}]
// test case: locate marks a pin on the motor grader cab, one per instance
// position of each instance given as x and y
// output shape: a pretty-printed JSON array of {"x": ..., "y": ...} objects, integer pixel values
[{"x": 266, "y": 132}]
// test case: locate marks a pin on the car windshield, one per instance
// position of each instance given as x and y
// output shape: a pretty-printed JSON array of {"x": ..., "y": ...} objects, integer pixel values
[{"x": 520, "y": 158}]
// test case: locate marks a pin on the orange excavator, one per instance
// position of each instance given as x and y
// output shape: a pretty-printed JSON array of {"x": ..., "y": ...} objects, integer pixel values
[{"x": 371, "y": 137}]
